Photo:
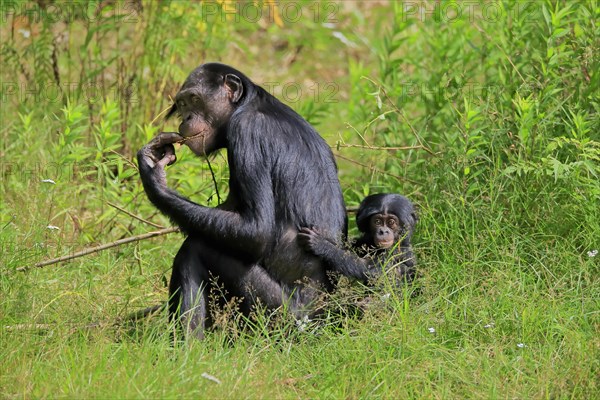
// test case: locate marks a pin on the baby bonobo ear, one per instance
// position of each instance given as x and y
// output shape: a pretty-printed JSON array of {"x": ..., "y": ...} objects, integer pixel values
[
  {"x": 415, "y": 218},
  {"x": 234, "y": 87}
]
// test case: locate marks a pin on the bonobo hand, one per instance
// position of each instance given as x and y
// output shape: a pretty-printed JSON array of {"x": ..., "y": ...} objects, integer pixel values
[
  {"x": 160, "y": 151},
  {"x": 312, "y": 241},
  {"x": 156, "y": 155}
]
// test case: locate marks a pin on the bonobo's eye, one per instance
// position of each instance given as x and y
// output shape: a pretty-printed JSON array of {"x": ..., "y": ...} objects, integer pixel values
[
  {"x": 196, "y": 100},
  {"x": 378, "y": 222},
  {"x": 391, "y": 222}
]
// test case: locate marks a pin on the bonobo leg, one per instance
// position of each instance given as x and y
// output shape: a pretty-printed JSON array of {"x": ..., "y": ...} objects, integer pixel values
[
  {"x": 196, "y": 266},
  {"x": 188, "y": 290}
]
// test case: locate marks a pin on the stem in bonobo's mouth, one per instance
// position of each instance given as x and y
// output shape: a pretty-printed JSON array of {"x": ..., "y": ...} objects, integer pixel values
[{"x": 186, "y": 138}]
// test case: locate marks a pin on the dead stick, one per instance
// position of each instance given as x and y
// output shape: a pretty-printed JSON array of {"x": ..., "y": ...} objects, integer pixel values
[
  {"x": 148, "y": 311},
  {"x": 135, "y": 316},
  {"x": 362, "y": 146},
  {"x": 132, "y": 215},
  {"x": 109, "y": 245},
  {"x": 20, "y": 327},
  {"x": 119, "y": 242}
]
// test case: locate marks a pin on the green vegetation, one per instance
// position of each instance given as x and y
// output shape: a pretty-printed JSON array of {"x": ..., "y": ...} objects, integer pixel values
[{"x": 485, "y": 114}]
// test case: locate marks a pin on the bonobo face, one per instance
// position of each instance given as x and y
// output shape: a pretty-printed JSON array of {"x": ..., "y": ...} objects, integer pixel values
[
  {"x": 204, "y": 104},
  {"x": 385, "y": 229}
]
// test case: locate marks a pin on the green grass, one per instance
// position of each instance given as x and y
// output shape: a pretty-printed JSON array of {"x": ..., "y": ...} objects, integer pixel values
[
  {"x": 503, "y": 106},
  {"x": 481, "y": 307}
]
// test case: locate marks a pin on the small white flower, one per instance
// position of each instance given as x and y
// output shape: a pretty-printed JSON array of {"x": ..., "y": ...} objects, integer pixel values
[
  {"x": 490, "y": 325},
  {"x": 302, "y": 324},
  {"x": 385, "y": 296},
  {"x": 521, "y": 345},
  {"x": 25, "y": 33},
  {"x": 48, "y": 181},
  {"x": 592, "y": 253},
  {"x": 431, "y": 330},
  {"x": 53, "y": 228}
]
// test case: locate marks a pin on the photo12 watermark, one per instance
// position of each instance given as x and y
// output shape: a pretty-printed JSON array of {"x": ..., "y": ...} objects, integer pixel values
[
  {"x": 52, "y": 92},
  {"x": 473, "y": 91},
  {"x": 292, "y": 92},
  {"x": 51, "y": 173},
  {"x": 472, "y": 11},
  {"x": 69, "y": 11},
  {"x": 270, "y": 12}
]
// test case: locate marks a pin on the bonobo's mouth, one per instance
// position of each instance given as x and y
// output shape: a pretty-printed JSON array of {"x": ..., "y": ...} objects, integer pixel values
[
  {"x": 200, "y": 134},
  {"x": 384, "y": 244}
]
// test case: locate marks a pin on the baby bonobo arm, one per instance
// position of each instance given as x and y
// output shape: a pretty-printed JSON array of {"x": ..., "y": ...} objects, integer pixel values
[{"x": 338, "y": 259}]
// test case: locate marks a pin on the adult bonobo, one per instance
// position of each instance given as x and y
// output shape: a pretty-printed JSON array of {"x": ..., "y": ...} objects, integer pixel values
[
  {"x": 282, "y": 176},
  {"x": 386, "y": 222}
]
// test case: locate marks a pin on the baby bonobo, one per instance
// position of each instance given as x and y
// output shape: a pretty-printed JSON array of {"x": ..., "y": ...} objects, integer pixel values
[{"x": 386, "y": 222}]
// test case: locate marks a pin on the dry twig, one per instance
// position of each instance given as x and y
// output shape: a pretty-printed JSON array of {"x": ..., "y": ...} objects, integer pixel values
[{"x": 96, "y": 249}]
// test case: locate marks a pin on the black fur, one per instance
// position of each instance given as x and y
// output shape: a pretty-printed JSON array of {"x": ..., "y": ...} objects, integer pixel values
[
  {"x": 367, "y": 260},
  {"x": 282, "y": 176}
]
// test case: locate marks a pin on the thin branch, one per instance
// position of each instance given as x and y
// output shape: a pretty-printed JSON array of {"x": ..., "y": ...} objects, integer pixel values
[
  {"x": 143, "y": 313},
  {"x": 369, "y": 147},
  {"x": 162, "y": 112},
  {"x": 214, "y": 179},
  {"x": 488, "y": 37},
  {"x": 127, "y": 160},
  {"x": 134, "y": 316},
  {"x": 402, "y": 115},
  {"x": 24, "y": 327},
  {"x": 375, "y": 169},
  {"x": 135, "y": 216},
  {"x": 96, "y": 249}
]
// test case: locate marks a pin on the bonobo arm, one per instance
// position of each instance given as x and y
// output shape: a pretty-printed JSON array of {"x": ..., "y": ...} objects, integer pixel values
[
  {"x": 248, "y": 233},
  {"x": 340, "y": 260}
]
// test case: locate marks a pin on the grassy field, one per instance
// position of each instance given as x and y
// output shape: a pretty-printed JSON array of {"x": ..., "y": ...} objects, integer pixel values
[{"x": 484, "y": 113}]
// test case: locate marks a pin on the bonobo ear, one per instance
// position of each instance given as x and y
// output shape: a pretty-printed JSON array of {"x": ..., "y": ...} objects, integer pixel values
[
  {"x": 234, "y": 87},
  {"x": 415, "y": 218}
]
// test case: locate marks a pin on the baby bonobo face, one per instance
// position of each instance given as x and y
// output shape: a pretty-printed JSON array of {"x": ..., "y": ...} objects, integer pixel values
[{"x": 385, "y": 230}]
